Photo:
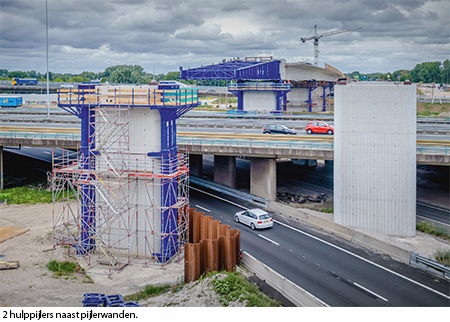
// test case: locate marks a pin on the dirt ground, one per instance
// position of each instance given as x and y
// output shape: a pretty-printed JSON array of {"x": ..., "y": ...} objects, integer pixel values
[{"x": 33, "y": 285}]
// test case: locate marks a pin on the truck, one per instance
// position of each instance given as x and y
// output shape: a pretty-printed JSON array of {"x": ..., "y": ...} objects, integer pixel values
[
  {"x": 24, "y": 81},
  {"x": 11, "y": 101}
]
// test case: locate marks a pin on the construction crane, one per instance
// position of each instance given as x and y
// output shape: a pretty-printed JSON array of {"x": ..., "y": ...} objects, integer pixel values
[{"x": 316, "y": 38}]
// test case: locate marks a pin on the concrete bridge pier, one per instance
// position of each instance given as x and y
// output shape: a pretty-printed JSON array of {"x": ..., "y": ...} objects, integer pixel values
[
  {"x": 263, "y": 177},
  {"x": 196, "y": 165},
  {"x": 225, "y": 170}
]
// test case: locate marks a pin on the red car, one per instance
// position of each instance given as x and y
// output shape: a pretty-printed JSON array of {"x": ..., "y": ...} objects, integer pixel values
[{"x": 319, "y": 127}]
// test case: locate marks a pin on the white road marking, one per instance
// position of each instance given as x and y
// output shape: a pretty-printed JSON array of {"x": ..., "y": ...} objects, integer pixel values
[
  {"x": 210, "y": 194},
  {"x": 269, "y": 239},
  {"x": 46, "y": 152},
  {"x": 373, "y": 293},
  {"x": 203, "y": 208},
  {"x": 363, "y": 259}
]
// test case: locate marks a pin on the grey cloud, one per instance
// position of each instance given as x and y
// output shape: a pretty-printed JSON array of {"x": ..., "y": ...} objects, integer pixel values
[{"x": 172, "y": 32}]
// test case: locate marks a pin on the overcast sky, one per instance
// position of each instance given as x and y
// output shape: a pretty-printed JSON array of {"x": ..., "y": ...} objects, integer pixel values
[{"x": 92, "y": 35}]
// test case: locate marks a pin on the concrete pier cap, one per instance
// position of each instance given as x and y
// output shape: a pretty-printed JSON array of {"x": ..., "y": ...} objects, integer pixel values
[{"x": 375, "y": 157}]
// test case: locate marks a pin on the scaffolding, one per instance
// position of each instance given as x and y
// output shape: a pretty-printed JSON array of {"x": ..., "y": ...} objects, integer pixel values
[{"x": 114, "y": 204}]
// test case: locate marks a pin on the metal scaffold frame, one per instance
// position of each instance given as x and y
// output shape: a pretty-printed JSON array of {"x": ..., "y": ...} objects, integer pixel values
[{"x": 112, "y": 205}]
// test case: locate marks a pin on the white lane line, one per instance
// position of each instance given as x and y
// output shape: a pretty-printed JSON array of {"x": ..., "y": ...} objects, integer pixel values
[
  {"x": 269, "y": 240},
  {"x": 363, "y": 259},
  {"x": 203, "y": 208},
  {"x": 210, "y": 194},
  {"x": 373, "y": 293}
]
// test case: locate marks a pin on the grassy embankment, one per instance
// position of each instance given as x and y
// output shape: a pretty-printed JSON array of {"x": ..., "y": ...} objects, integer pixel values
[{"x": 233, "y": 288}]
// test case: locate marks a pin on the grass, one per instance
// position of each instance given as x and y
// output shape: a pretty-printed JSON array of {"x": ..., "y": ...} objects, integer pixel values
[
  {"x": 431, "y": 229},
  {"x": 148, "y": 291},
  {"x": 26, "y": 195},
  {"x": 234, "y": 287},
  {"x": 62, "y": 268},
  {"x": 429, "y": 109},
  {"x": 327, "y": 210},
  {"x": 443, "y": 256}
]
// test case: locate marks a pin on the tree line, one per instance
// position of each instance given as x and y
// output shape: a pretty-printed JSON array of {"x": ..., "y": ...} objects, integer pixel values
[
  {"x": 134, "y": 74},
  {"x": 427, "y": 72}
]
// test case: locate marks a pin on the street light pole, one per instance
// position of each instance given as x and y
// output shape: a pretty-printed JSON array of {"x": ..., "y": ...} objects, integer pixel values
[{"x": 46, "y": 38}]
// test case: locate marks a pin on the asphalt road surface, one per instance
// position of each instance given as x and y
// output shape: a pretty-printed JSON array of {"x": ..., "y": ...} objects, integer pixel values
[{"x": 338, "y": 273}]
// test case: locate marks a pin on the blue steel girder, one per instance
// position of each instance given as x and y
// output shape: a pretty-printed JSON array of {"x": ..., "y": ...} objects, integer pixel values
[{"x": 235, "y": 70}]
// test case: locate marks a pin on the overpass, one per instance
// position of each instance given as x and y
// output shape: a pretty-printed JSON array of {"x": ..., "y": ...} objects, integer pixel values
[{"x": 263, "y": 150}]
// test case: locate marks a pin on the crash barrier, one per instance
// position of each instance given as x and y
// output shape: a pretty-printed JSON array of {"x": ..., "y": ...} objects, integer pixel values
[
  {"x": 288, "y": 289},
  {"x": 98, "y": 299},
  {"x": 430, "y": 265},
  {"x": 230, "y": 192},
  {"x": 211, "y": 247}
]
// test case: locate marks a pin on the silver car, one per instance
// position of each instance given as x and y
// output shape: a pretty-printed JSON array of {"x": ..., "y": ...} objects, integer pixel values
[{"x": 255, "y": 218}]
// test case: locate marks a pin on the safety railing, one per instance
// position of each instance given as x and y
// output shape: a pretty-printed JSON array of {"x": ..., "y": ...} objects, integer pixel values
[
  {"x": 256, "y": 143},
  {"x": 432, "y": 149},
  {"x": 41, "y": 135},
  {"x": 259, "y": 86},
  {"x": 430, "y": 265},
  {"x": 128, "y": 97},
  {"x": 184, "y": 140}
]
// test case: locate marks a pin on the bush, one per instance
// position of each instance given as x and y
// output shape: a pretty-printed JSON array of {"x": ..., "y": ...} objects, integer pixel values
[
  {"x": 431, "y": 229},
  {"x": 234, "y": 288},
  {"x": 443, "y": 257}
]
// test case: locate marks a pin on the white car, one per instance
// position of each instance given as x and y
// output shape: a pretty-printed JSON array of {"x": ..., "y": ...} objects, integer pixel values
[{"x": 255, "y": 218}]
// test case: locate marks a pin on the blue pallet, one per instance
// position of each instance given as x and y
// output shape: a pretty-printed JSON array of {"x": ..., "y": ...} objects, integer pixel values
[
  {"x": 113, "y": 300},
  {"x": 130, "y": 304},
  {"x": 93, "y": 299}
]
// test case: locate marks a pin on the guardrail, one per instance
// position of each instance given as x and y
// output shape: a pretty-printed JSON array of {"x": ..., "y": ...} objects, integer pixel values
[
  {"x": 427, "y": 148},
  {"x": 430, "y": 265},
  {"x": 42, "y": 136},
  {"x": 230, "y": 192},
  {"x": 256, "y": 144},
  {"x": 441, "y": 150}
]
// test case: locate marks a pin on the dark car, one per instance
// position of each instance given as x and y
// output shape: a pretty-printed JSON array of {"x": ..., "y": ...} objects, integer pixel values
[{"x": 278, "y": 129}]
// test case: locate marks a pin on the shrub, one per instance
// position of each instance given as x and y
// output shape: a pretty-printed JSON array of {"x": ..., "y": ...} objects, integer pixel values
[
  {"x": 62, "y": 268},
  {"x": 234, "y": 288},
  {"x": 443, "y": 256}
]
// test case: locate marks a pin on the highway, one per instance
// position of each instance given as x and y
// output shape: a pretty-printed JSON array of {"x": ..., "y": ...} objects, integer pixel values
[
  {"x": 313, "y": 181},
  {"x": 338, "y": 273}
]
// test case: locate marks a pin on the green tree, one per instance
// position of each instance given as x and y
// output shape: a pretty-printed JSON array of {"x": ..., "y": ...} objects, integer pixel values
[
  {"x": 88, "y": 75},
  {"x": 172, "y": 76},
  {"x": 426, "y": 72},
  {"x": 79, "y": 79},
  {"x": 127, "y": 74},
  {"x": 18, "y": 74},
  {"x": 445, "y": 71},
  {"x": 4, "y": 73}
]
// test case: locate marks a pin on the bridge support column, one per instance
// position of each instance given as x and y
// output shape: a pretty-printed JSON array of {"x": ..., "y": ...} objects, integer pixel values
[
  {"x": 375, "y": 157},
  {"x": 263, "y": 177},
  {"x": 225, "y": 170},
  {"x": 196, "y": 165}
]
